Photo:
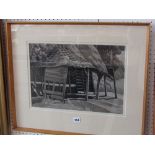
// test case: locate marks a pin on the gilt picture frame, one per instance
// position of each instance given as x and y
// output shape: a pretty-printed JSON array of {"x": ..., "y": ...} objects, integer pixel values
[{"x": 77, "y": 77}]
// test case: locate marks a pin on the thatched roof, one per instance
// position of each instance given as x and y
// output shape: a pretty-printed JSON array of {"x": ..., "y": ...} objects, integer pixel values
[{"x": 84, "y": 56}]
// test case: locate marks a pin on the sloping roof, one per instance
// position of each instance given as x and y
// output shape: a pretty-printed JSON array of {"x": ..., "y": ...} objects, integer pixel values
[
  {"x": 85, "y": 56},
  {"x": 91, "y": 54}
]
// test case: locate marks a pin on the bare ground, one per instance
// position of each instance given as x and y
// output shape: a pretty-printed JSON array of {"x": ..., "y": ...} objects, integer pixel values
[{"x": 104, "y": 104}]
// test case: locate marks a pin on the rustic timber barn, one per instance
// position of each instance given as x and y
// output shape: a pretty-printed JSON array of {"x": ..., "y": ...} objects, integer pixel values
[{"x": 68, "y": 74}]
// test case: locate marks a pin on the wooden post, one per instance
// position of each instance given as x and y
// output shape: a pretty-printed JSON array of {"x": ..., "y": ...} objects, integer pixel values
[
  {"x": 98, "y": 86},
  {"x": 69, "y": 80},
  {"x": 64, "y": 84},
  {"x": 105, "y": 88},
  {"x": 44, "y": 91},
  {"x": 64, "y": 90},
  {"x": 87, "y": 84},
  {"x": 115, "y": 90}
]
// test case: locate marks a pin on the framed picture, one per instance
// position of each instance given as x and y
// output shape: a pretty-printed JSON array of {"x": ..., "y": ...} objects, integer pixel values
[{"x": 78, "y": 78}]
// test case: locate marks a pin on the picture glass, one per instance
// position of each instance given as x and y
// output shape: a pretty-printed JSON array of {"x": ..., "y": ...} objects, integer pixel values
[{"x": 92, "y": 73}]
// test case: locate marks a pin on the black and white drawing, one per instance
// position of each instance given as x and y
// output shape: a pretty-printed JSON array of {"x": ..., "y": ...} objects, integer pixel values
[{"x": 79, "y": 77}]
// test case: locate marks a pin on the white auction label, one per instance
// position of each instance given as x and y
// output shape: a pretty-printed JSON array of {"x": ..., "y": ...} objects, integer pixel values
[{"x": 76, "y": 119}]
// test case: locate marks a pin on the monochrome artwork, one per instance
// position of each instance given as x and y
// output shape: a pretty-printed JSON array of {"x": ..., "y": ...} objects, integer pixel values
[{"x": 77, "y": 77}]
